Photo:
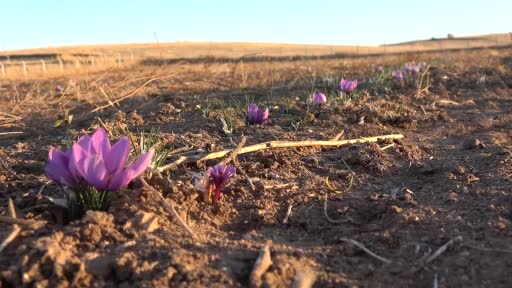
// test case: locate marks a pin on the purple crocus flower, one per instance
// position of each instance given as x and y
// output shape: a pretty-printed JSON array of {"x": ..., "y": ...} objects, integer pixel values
[
  {"x": 95, "y": 163},
  {"x": 411, "y": 68},
  {"x": 319, "y": 98},
  {"x": 255, "y": 115},
  {"x": 58, "y": 89},
  {"x": 348, "y": 86},
  {"x": 398, "y": 75},
  {"x": 378, "y": 68},
  {"x": 220, "y": 174}
]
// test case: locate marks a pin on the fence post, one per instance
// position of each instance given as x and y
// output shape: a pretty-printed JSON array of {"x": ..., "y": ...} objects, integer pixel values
[
  {"x": 3, "y": 69},
  {"x": 43, "y": 64},
  {"x": 92, "y": 61},
  {"x": 77, "y": 63},
  {"x": 24, "y": 64},
  {"x": 104, "y": 58},
  {"x": 61, "y": 65},
  {"x": 119, "y": 59},
  {"x": 131, "y": 57}
]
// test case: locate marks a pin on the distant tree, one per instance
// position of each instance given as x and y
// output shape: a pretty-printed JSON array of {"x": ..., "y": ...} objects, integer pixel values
[{"x": 450, "y": 36}]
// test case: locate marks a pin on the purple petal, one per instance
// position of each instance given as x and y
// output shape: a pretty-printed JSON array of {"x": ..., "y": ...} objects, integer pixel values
[
  {"x": 265, "y": 115},
  {"x": 131, "y": 172},
  {"x": 116, "y": 158},
  {"x": 85, "y": 142},
  {"x": 96, "y": 173},
  {"x": 252, "y": 113},
  {"x": 99, "y": 143},
  {"x": 57, "y": 167},
  {"x": 78, "y": 153}
]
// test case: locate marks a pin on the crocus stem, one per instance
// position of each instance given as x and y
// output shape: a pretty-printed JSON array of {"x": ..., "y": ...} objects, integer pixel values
[{"x": 217, "y": 195}]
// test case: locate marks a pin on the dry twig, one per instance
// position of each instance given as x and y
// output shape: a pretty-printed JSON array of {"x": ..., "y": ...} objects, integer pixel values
[
  {"x": 274, "y": 144},
  {"x": 362, "y": 247},
  {"x": 288, "y": 213},
  {"x": 168, "y": 207},
  {"x": 442, "y": 249}
]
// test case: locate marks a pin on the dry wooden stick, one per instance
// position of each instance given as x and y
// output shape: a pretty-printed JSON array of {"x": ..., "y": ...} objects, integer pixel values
[
  {"x": 168, "y": 207},
  {"x": 275, "y": 144},
  {"x": 288, "y": 213},
  {"x": 10, "y": 115},
  {"x": 442, "y": 249},
  {"x": 233, "y": 153},
  {"x": 15, "y": 230},
  {"x": 260, "y": 267},
  {"x": 362, "y": 247},
  {"x": 22, "y": 222},
  {"x": 10, "y": 133}
]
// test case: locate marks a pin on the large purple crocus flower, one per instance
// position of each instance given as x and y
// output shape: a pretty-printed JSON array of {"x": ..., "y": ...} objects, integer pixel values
[
  {"x": 255, "y": 115},
  {"x": 348, "y": 86},
  {"x": 219, "y": 174},
  {"x": 97, "y": 164},
  {"x": 319, "y": 98}
]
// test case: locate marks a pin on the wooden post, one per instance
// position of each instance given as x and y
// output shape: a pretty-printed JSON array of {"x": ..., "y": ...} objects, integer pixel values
[
  {"x": 77, "y": 63},
  {"x": 61, "y": 65},
  {"x": 105, "y": 58},
  {"x": 3, "y": 69},
  {"x": 24, "y": 64},
  {"x": 119, "y": 59},
  {"x": 131, "y": 57},
  {"x": 43, "y": 64},
  {"x": 92, "y": 61}
]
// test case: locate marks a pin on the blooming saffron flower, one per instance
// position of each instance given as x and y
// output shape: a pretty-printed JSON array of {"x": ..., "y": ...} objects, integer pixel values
[
  {"x": 219, "y": 174},
  {"x": 348, "y": 86},
  {"x": 319, "y": 98},
  {"x": 398, "y": 75},
  {"x": 94, "y": 163},
  {"x": 378, "y": 68},
  {"x": 255, "y": 115}
]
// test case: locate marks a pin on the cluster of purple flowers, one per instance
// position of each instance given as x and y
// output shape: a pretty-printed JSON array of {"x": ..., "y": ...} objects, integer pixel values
[{"x": 93, "y": 162}]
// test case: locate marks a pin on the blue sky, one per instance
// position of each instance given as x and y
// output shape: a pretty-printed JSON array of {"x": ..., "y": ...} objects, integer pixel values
[{"x": 28, "y": 24}]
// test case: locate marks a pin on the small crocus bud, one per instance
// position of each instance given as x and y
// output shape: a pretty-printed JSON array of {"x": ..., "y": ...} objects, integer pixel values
[
  {"x": 219, "y": 174},
  {"x": 398, "y": 75},
  {"x": 348, "y": 86},
  {"x": 255, "y": 115},
  {"x": 58, "y": 89},
  {"x": 319, "y": 98},
  {"x": 378, "y": 68}
]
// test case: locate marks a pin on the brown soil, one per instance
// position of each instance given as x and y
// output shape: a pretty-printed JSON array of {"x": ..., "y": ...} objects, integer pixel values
[{"x": 446, "y": 182}]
